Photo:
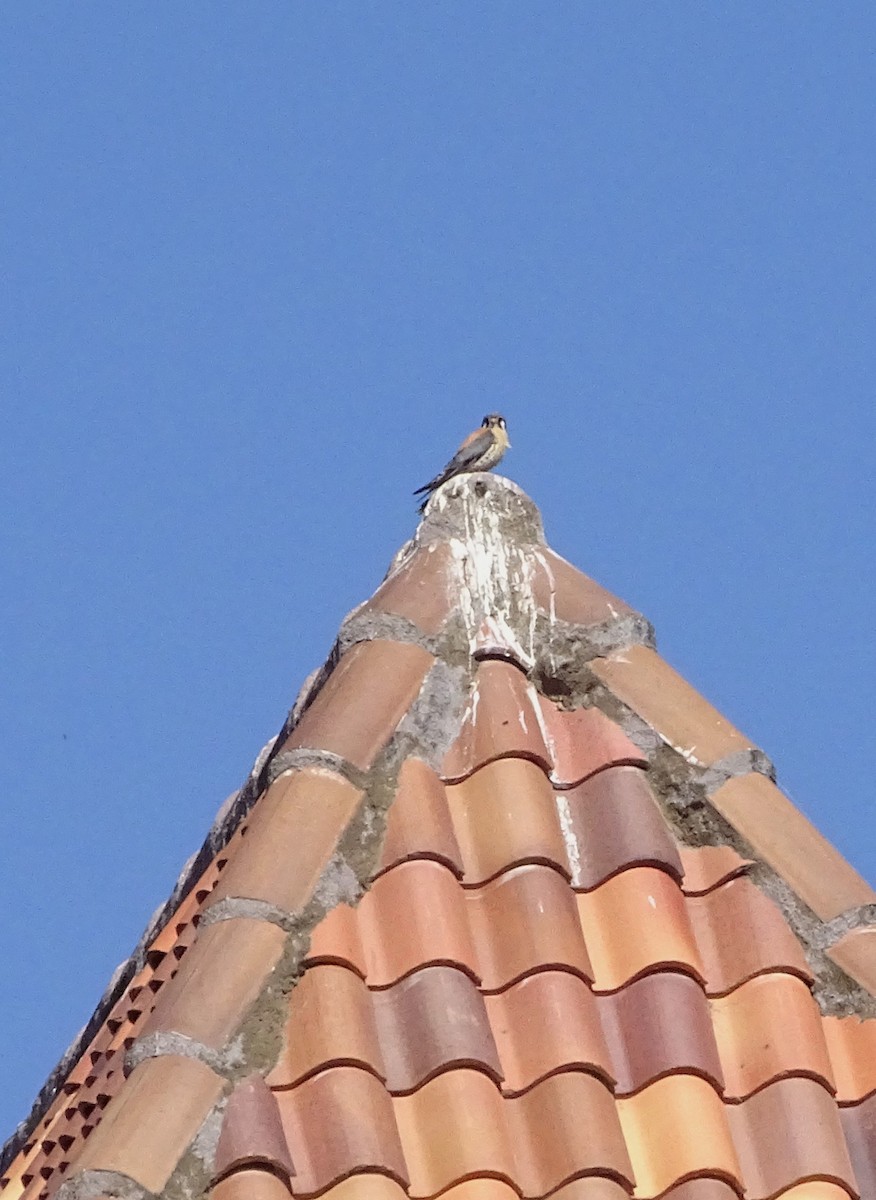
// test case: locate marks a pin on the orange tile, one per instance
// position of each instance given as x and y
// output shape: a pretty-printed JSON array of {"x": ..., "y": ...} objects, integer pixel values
[
  {"x": 451, "y": 1128},
  {"x": 788, "y": 1132},
  {"x": 147, "y": 1128},
  {"x": 547, "y": 1023},
  {"x": 326, "y": 1135},
  {"x": 336, "y": 940},
  {"x": 768, "y": 1028},
  {"x": 363, "y": 701},
  {"x": 293, "y": 831},
  {"x": 816, "y": 1189},
  {"x": 418, "y": 824},
  {"x": 366, "y": 1187},
  {"x": 525, "y": 921},
  {"x": 658, "y": 1124},
  {"x": 219, "y": 979},
  {"x": 651, "y": 688},
  {"x": 502, "y": 719},
  {"x": 741, "y": 933},
  {"x": 583, "y": 741},
  {"x": 481, "y": 1189},
  {"x": 330, "y": 1022},
  {"x": 793, "y": 847},
  {"x": 420, "y": 589},
  {"x": 855, "y": 952},
  {"x": 412, "y": 916},
  {"x": 707, "y": 867},
  {"x": 504, "y": 815},
  {"x": 635, "y": 922},
  {"x": 546, "y": 1127},
  {"x": 251, "y": 1185},
  {"x": 851, "y": 1044},
  {"x": 566, "y": 594}
]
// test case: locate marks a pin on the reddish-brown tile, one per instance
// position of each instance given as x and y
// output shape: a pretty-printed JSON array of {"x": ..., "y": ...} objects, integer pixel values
[
  {"x": 251, "y": 1185},
  {"x": 634, "y": 923},
  {"x": 293, "y": 831},
  {"x": 326, "y": 1135},
  {"x": 330, "y": 1022},
  {"x": 412, "y": 917},
  {"x": 220, "y": 977},
  {"x": 768, "y": 1028},
  {"x": 525, "y": 921},
  {"x": 418, "y": 824},
  {"x": 851, "y": 1044},
  {"x": 658, "y": 1125},
  {"x": 502, "y": 719},
  {"x": 583, "y": 741},
  {"x": 419, "y": 590},
  {"x": 430, "y": 1021},
  {"x": 336, "y": 940},
  {"x": 855, "y": 952},
  {"x": 363, "y": 701},
  {"x": 859, "y": 1126},
  {"x": 546, "y": 1023},
  {"x": 612, "y": 822},
  {"x": 566, "y": 594},
  {"x": 741, "y": 933},
  {"x": 788, "y": 1132},
  {"x": 657, "y": 1025},
  {"x": 707, "y": 867},
  {"x": 452, "y": 1128},
  {"x": 793, "y": 847},
  {"x": 147, "y": 1128},
  {"x": 504, "y": 815},
  {"x": 658, "y": 694},
  {"x": 546, "y": 1125},
  {"x": 252, "y": 1133}
]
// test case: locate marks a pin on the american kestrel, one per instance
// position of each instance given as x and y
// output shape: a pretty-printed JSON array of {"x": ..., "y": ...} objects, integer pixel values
[{"x": 480, "y": 451}]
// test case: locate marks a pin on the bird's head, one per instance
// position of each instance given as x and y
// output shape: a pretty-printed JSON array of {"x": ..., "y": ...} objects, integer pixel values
[{"x": 493, "y": 421}]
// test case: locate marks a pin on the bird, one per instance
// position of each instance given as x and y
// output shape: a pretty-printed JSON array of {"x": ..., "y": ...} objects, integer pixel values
[{"x": 481, "y": 451}]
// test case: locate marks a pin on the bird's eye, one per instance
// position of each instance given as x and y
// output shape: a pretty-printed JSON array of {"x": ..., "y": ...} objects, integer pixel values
[
  {"x": 485, "y": 423},
  {"x": 501, "y": 422}
]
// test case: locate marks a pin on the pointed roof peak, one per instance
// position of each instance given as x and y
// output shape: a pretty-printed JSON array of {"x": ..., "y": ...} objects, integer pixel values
[{"x": 501, "y": 866}]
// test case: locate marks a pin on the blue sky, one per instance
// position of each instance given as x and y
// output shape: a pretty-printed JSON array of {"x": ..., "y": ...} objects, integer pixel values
[{"x": 264, "y": 265}]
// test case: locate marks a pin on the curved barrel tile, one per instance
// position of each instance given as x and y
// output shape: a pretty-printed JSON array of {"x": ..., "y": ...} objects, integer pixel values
[
  {"x": 547, "y": 1022},
  {"x": 336, "y": 940},
  {"x": 504, "y": 815},
  {"x": 525, "y": 921},
  {"x": 432, "y": 1021},
  {"x": 707, "y": 867},
  {"x": 851, "y": 1044},
  {"x": 677, "y": 1129},
  {"x": 741, "y": 933},
  {"x": 790, "y": 1132},
  {"x": 414, "y": 915},
  {"x": 656, "y": 1026},
  {"x": 326, "y": 1135},
  {"x": 252, "y": 1132},
  {"x": 362, "y": 702},
  {"x": 769, "y": 1028},
  {"x": 613, "y": 822},
  {"x": 634, "y": 923},
  {"x": 583, "y": 741},
  {"x": 859, "y": 1126},
  {"x": 418, "y": 823},
  {"x": 502, "y": 719},
  {"x": 330, "y": 1022},
  {"x": 250, "y": 1185},
  {"x": 451, "y": 1129}
]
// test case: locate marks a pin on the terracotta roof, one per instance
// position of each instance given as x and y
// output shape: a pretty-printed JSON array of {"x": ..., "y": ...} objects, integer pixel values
[{"x": 506, "y": 910}]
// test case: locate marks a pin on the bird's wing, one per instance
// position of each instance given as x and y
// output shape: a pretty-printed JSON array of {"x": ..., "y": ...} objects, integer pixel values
[{"x": 469, "y": 452}]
